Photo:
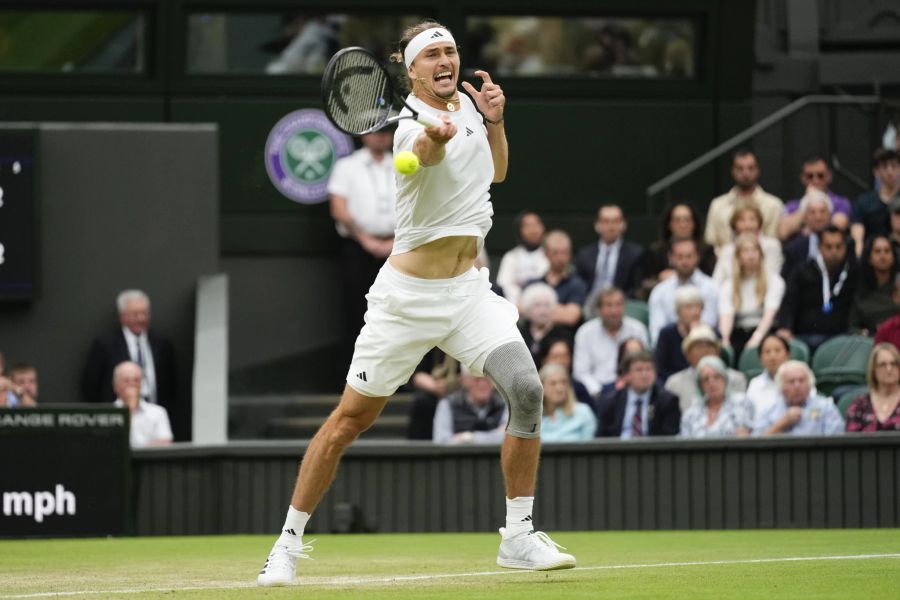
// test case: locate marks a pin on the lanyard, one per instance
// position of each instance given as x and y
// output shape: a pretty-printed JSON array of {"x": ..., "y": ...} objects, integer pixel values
[{"x": 827, "y": 291}]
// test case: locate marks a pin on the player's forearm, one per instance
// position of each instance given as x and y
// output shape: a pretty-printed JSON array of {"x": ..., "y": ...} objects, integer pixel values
[
  {"x": 429, "y": 151},
  {"x": 499, "y": 150}
]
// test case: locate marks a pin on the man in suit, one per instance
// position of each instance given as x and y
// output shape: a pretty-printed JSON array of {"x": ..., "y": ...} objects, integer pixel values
[
  {"x": 641, "y": 408},
  {"x": 132, "y": 341},
  {"x": 612, "y": 261}
]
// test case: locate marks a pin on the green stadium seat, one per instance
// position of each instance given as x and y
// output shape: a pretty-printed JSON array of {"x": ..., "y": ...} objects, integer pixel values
[
  {"x": 841, "y": 360},
  {"x": 799, "y": 350},
  {"x": 727, "y": 355},
  {"x": 638, "y": 309},
  {"x": 847, "y": 398}
]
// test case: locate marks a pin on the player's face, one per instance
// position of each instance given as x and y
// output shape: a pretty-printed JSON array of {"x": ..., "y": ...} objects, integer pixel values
[
  {"x": 437, "y": 69},
  {"x": 136, "y": 316}
]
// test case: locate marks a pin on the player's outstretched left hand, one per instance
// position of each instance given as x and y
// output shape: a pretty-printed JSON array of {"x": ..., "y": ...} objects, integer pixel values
[{"x": 490, "y": 100}]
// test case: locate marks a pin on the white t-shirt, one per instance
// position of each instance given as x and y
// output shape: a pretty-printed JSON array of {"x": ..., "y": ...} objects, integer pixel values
[
  {"x": 518, "y": 267},
  {"x": 751, "y": 312},
  {"x": 149, "y": 424},
  {"x": 451, "y": 197},
  {"x": 370, "y": 190}
]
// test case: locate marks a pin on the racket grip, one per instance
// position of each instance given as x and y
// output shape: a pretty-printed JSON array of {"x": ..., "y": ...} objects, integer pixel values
[{"x": 429, "y": 120}]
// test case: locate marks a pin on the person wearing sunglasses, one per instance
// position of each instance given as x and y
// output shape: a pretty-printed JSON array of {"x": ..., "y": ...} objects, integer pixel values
[{"x": 816, "y": 174}]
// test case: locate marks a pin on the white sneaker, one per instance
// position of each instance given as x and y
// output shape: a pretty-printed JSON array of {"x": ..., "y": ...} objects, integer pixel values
[
  {"x": 281, "y": 565},
  {"x": 533, "y": 551}
]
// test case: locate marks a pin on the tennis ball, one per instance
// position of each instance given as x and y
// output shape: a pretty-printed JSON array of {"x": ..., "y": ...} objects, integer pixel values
[{"x": 406, "y": 162}]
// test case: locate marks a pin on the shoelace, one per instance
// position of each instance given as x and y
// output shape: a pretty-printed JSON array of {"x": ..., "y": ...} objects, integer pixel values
[
  {"x": 542, "y": 538},
  {"x": 280, "y": 560}
]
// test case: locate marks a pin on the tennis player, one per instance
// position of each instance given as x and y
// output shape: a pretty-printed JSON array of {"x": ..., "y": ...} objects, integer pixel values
[{"x": 430, "y": 294}]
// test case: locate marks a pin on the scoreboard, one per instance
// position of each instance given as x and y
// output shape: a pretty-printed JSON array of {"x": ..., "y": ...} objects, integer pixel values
[{"x": 18, "y": 214}]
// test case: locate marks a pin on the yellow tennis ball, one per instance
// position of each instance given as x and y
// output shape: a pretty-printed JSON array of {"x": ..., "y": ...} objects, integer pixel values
[{"x": 406, "y": 162}]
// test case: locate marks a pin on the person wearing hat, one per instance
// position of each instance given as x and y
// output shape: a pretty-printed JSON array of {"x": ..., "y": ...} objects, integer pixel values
[
  {"x": 720, "y": 412},
  {"x": 701, "y": 341}
]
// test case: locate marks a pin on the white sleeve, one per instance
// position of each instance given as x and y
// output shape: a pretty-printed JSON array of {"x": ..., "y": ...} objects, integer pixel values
[
  {"x": 339, "y": 183},
  {"x": 406, "y": 134},
  {"x": 711, "y": 304},
  {"x": 726, "y": 303},
  {"x": 581, "y": 361},
  {"x": 163, "y": 430},
  {"x": 657, "y": 315},
  {"x": 506, "y": 277},
  {"x": 774, "y": 292}
]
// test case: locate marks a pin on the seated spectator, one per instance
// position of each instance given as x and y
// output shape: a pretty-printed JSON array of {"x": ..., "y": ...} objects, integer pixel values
[
  {"x": 559, "y": 351},
  {"x": 819, "y": 294},
  {"x": 814, "y": 173},
  {"x": 570, "y": 290},
  {"x": 526, "y": 261},
  {"x": 435, "y": 377},
  {"x": 24, "y": 379},
  {"x": 701, "y": 341},
  {"x": 628, "y": 346},
  {"x": 874, "y": 301},
  {"x": 679, "y": 221},
  {"x": 538, "y": 304},
  {"x": 613, "y": 260},
  {"x": 641, "y": 408},
  {"x": 799, "y": 410},
  {"x": 597, "y": 340},
  {"x": 747, "y": 220},
  {"x": 669, "y": 356},
  {"x": 745, "y": 172},
  {"x": 474, "y": 414},
  {"x": 565, "y": 419},
  {"x": 878, "y": 410},
  {"x": 749, "y": 302},
  {"x": 870, "y": 211},
  {"x": 889, "y": 330},
  {"x": 762, "y": 391},
  {"x": 683, "y": 258},
  {"x": 720, "y": 413},
  {"x": 149, "y": 422},
  {"x": 804, "y": 246}
]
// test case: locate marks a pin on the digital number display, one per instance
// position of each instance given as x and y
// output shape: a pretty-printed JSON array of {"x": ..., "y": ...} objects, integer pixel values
[{"x": 17, "y": 214}]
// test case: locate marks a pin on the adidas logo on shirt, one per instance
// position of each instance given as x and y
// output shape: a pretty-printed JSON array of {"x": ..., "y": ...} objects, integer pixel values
[{"x": 469, "y": 132}]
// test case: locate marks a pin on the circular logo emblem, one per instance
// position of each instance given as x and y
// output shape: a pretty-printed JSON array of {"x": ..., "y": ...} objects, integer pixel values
[{"x": 300, "y": 153}]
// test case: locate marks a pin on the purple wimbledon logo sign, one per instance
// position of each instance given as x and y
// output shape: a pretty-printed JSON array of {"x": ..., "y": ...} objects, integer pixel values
[{"x": 300, "y": 153}]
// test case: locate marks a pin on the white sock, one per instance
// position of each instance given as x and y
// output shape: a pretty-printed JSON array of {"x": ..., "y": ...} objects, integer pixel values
[
  {"x": 295, "y": 522},
  {"x": 518, "y": 515}
]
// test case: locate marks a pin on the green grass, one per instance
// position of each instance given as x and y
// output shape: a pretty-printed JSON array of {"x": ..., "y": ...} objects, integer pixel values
[{"x": 227, "y": 566}]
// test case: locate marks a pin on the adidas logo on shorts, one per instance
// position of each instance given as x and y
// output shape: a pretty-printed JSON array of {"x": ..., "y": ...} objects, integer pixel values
[{"x": 362, "y": 375}]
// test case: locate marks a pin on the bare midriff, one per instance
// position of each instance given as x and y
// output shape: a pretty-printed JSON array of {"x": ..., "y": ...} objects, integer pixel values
[{"x": 441, "y": 259}]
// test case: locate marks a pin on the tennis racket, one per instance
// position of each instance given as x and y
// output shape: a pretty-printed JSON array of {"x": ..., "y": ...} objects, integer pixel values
[{"x": 358, "y": 95}]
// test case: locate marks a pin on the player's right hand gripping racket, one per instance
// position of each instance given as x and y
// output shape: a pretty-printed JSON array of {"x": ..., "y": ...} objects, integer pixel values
[{"x": 359, "y": 97}]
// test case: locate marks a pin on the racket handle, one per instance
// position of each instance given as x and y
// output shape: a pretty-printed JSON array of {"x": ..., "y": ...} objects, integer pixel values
[{"x": 429, "y": 120}]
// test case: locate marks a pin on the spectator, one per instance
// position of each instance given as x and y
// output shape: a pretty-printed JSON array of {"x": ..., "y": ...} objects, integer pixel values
[
  {"x": 565, "y": 419},
  {"x": 720, "y": 413},
  {"x": 570, "y": 290},
  {"x": 597, "y": 340},
  {"x": 804, "y": 246},
  {"x": 879, "y": 409},
  {"x": 149, "y": 422},
  {"x": 669, "y": 356},
  {"x": 559, "y": 351},
  {"x": 538, "y": 305},
  {"x": 874, "y": 302},
  {"x": 895, "y": 226},
  {"x": 362, "y": 193},
  {"x": 435, "y": 377},
  {"x": 889, "y": 331},
  {"x": 816, "y": 174},
  {"x": 745, "y": 172},
  {"x": 749, "y": 302},
  {"x": 641, "y": 408},
  {"x": 612, "y": 261},
  {"x": 870, "y": 212},
  {"x": 683, "y": 257},
  {"x": 626, "y": 348},
  {"x": 526, "y": 261},
  {"x": 816, "y": 305},
  {"x": 747, "y": 220},
  {"x": 679, "y": 221},
  {"x": 701, "y": 341},
  {"x": 799, "y": 410},
  {"x": 24, "y": 379},
  {"x": 474, "y": 414},
  {"x": 762, "y": 390}
]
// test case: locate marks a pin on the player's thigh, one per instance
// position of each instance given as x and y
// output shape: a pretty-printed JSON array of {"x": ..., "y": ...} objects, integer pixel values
[{"x": 490, "y": 323}]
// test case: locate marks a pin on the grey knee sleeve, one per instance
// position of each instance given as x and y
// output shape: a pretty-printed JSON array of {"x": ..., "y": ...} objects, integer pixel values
[{"x": 511, "y": 368}]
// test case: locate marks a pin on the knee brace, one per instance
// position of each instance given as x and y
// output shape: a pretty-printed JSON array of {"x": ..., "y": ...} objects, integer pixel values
[{"x": 511, "y": 368}]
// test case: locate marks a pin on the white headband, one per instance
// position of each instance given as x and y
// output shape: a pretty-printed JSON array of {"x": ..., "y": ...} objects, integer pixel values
[{"x": 429, "y": 36}]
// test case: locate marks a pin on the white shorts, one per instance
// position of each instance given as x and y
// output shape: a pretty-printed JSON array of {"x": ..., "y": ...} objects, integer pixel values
[{"x": 408, "y": 316}]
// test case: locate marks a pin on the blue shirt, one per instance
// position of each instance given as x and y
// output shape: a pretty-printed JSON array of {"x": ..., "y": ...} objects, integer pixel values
[
  {"x": 570, "y": 290},
  {"x": 820, "y": 417},
  {"x": 630, "y": 409},
  {"x": 582, "y": 425}
]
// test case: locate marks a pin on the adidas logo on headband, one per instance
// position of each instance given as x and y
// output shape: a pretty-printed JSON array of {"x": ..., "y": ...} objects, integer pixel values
[{"x": 437, "y": 34}]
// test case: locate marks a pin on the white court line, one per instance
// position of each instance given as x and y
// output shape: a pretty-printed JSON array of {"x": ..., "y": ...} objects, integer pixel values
[{"x": 344, "y": 581}]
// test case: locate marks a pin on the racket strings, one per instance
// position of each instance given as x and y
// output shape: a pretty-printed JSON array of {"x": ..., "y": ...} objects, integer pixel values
[{"x": 359, "y": 95}]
